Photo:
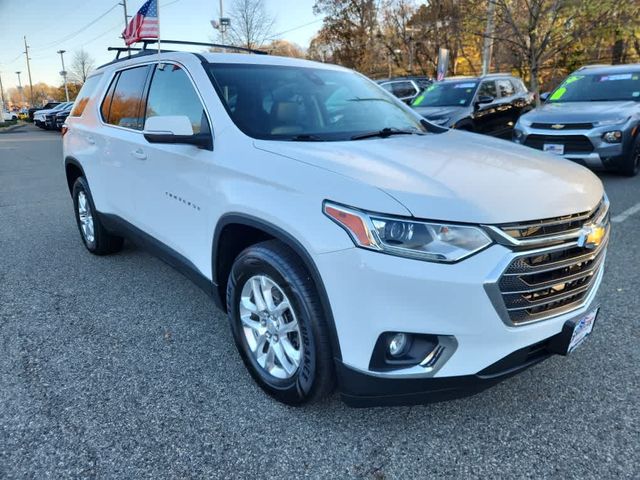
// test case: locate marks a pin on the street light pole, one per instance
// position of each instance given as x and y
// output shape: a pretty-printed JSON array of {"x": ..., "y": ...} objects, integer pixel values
[
  {"x": 26, "y": 52},
  {"x": 487, "y": 49},
  {"x": 223, "y": 29},
  {"x": 20, "y": 89},
  {"x": 64, "y": 74}
]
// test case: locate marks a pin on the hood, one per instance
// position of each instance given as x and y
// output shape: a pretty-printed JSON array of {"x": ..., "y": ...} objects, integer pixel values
[
  {"x": 456, "y": 176},
  {"x": 439, "y": 112},
  {"x": 579, "y": 112}
]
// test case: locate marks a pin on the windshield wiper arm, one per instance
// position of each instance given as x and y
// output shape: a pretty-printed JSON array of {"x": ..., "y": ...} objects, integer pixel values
[{"x": 384, "y": 133}]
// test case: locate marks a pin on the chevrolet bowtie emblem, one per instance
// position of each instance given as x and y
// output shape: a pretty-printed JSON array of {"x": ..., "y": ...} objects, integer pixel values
[
  {"x": 557, "y": 126},
  {"x": 591, "y": 236}
]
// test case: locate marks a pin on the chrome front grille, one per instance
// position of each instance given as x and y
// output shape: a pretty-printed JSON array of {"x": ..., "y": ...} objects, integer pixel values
[
  {"x": 549, "y": 282},
  {"x": 554, "y": 270}
]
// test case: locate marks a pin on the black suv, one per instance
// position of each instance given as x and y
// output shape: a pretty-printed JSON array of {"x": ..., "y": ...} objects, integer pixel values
[{"x": 489, "y": 104}]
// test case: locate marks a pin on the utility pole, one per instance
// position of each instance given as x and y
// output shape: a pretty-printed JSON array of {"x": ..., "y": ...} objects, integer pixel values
[
  {"x": 487, "y": 49},
  {"x": 222, "y": 28},
  {"x": 64, "y": 73},
  {"x": 4, "y": 105},
  {"x": 20, "y": 89},
  {"x": 26, "y": 52},
  {"x": 126, "y": 17}
]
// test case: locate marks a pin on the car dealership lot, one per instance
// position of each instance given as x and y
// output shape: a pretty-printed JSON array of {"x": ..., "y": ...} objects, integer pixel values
[{"x": 120, "y": 367}]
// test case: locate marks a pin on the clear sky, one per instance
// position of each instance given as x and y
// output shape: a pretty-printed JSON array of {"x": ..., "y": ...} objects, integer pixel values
[{"x": 52, "y": 25}]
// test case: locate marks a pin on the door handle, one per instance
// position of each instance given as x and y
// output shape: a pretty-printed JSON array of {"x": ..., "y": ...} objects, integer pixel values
[
  {"x": 139, "y": 154},
  {"x": 91, "y": 140}
]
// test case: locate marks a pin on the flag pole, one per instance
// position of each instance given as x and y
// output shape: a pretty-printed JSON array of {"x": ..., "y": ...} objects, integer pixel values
[{"x": 158, "y": 12}]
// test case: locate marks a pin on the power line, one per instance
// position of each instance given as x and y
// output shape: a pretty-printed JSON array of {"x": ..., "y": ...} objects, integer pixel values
[
  {"x": 77, "y": 32},
  {"x": 294, "y": 28}
]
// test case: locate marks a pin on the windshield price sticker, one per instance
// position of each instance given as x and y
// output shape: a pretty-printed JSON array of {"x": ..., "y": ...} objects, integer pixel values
[
  {"x": 620, "y": 76},
  {"x": 464, "y": 85}
]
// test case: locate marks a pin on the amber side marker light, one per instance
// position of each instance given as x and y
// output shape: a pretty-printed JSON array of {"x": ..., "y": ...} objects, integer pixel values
[{"x": 352, "y": 223}]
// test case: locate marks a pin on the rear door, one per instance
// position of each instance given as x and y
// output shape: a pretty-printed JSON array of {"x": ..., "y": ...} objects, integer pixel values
[
  {"x": 119, "y": 140},
  {"x": 173, "y": 181}
]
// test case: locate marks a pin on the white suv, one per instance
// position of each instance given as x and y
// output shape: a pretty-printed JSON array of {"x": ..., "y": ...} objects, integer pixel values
[{"x": 350, "y": 241}]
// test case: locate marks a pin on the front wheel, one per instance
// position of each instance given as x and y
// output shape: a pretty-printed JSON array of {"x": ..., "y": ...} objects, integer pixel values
[
  {"x": 631, "y": 164},
  {"x": 278, "y": 324}
]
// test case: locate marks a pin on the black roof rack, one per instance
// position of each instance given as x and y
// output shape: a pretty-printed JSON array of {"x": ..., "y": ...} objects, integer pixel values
[{"x": 144, "y": 50}]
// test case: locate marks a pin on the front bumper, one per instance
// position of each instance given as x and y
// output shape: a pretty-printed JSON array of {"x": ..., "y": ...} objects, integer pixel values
[
  {"x": 372, "y": 293},
  {"x": 597, "y": 155}
]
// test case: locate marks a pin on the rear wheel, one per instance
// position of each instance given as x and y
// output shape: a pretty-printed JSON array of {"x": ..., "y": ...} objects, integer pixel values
[
  {"x": 94, "y": 236},
  {"x": 631, "y": 165},
  {"x": 278, "y": 324}
]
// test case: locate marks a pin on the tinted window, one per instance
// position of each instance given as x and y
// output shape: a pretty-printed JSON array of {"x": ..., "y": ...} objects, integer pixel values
[
  {"x": 403, "y": 89},
  {"x": 85, "y": 95},
  {"x": 505, "y": 88},
  {"x": 488, "y": 89},
  {"x": 296, "y": 103},
  {"x": 172, "y": 93},
  {"x": 125, "y": 109},
  {"x": 106, "y": 103}
]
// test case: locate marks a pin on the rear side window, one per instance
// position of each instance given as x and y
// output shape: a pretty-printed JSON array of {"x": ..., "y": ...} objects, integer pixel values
[
  {"x": 172, "y": 93},
  {"x": 122, "y": 106},
  {"x": 84, "y": 95}
]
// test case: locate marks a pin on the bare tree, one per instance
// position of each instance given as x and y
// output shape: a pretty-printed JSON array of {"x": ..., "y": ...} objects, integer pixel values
[
  {"x": 81, "y": 66},
  {"x": 251, "y": 23}
]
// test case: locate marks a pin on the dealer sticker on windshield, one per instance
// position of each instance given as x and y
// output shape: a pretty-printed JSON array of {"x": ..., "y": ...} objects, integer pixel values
[
  {"x": 555, "y": 148},
  {"x": 582, "y": 329}
]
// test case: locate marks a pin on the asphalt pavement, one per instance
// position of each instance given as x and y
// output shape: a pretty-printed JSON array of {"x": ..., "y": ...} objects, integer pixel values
[{"x": 119, "y": 367}]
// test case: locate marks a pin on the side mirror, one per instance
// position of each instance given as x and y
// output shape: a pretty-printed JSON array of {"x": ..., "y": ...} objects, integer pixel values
[
  {"x": 175, "y": 129},
  {"x": 482, "y": 100},
  {"x": 544, "y": 96}
]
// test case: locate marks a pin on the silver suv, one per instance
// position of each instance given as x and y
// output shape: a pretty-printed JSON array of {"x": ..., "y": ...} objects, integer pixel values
[{"x": 592, "y": 118}]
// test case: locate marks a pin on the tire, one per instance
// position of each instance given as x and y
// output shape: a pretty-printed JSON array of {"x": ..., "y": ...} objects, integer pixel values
[
  {"x": 631, "y": 164},
  {"x": 313, "y": 377},
  {"x": 94, "y": 236}
]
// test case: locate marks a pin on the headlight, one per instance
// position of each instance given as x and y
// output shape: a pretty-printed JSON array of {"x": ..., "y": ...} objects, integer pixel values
[
  {"x": 612, "y": 121},
  {"x": 430, "y": 241},
  {"x": 524, "y": 123}
]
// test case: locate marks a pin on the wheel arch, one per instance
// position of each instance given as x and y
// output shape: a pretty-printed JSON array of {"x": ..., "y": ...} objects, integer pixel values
[
  {"x": 230, "y": 230},
  {"x": 73, "y": 170}
]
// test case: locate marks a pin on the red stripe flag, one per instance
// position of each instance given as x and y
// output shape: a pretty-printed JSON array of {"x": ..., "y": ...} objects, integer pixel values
[{"x": 144, "y": 25}]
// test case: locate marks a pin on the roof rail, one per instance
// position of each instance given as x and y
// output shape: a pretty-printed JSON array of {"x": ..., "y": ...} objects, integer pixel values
[{"x": 146, "y": 43}]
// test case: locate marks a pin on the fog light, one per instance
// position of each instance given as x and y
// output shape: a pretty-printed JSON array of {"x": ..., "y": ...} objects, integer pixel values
[
  {"x": 612, "y": 137},
  {"x": 398, "y": 344}
]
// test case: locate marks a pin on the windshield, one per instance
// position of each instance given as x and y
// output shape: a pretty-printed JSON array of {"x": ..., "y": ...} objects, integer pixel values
[
  {"x": 447, "y": 94},
  {"x": 307, "y": 104},
  {"x": 598, "y": 88}
]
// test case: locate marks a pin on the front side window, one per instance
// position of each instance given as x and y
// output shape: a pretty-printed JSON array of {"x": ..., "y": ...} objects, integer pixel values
[
  {"x": 403, "y": 89},
  {"x": 298, "y": 103},
  {"x": 84, "y": 95},
  {"x": 488, "y": 89},
  {"x": 447, "y": 94},
  {"x": 582, "y": 87},
  {"x": 124, "y": 107},
  {"x": 172, "y": 93}
]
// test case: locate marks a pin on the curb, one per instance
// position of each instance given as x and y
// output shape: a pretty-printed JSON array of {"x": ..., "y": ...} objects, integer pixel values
[{"x": 12, "y": 128}]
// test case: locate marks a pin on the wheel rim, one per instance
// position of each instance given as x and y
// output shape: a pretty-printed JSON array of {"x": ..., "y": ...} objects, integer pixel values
[
  {"x": 86, "y": 219},
  {"x": 270, "y": 327}
]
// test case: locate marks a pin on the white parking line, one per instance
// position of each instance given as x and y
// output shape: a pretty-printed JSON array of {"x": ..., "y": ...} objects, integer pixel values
[{"x": 626, "y": 214}]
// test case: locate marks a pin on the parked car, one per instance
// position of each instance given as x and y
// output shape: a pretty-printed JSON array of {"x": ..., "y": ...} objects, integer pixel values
[
  {"x": 39, "y": 117},
  {"x": 7, "y": 116},
  {"x": 33, "y": 110},
  {"x": 50, "y": 118},
  {"x": 61, "y": 118},
  {"x": 405, "y": 88},
  {"x": 369, "y": 248},
  {"x": 490, "y": 104},
  {"x": 592, "y": 118}
]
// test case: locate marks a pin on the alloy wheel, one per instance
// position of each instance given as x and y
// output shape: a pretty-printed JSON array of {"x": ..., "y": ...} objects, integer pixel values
[
  {"x": 270, "y": 327},
  {"x": 86, "y": 219}
]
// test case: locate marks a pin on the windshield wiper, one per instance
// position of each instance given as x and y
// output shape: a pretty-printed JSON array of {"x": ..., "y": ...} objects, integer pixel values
[
  {"x": 305, "y": 137},
  {"x": 384, "y": 133}
]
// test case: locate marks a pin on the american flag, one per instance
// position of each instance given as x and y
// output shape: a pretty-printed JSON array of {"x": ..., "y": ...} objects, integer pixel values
[{"x": 144, "y": 24}]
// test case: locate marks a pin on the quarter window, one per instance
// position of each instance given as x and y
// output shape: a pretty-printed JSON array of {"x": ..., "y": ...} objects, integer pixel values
[
  {"x": 123, "y": 104},
  {"x": 84, "y": 95},
  {"x": 172, "y": 93}
]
